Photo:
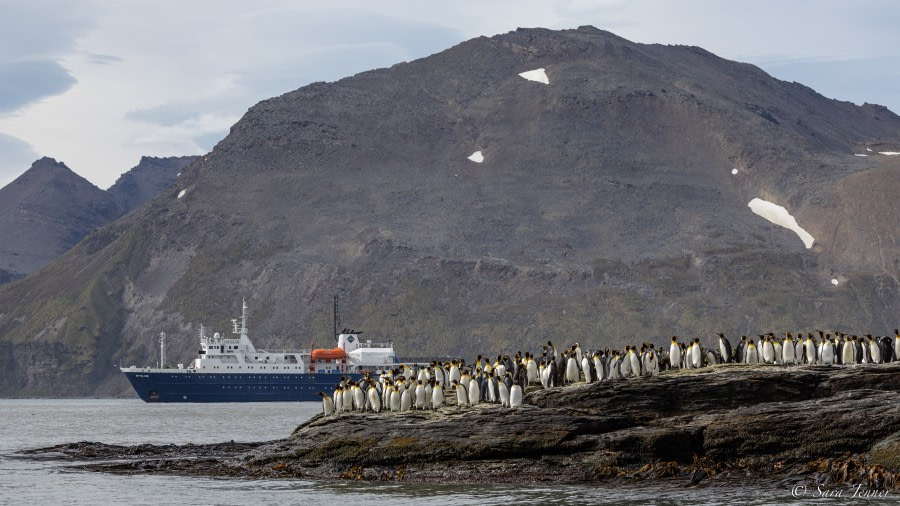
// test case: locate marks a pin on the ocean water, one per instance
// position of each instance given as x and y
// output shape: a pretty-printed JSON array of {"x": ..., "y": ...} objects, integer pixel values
[{"x": 26, "y": 424}]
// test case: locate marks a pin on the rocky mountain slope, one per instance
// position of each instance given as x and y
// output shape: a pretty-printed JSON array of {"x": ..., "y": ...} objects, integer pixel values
[
  {"x": 610, "y": 203},
  {"x": 46, "y": 211},
  {"x": 147, "y": 179},
  {"x": 49, "y": 208}
]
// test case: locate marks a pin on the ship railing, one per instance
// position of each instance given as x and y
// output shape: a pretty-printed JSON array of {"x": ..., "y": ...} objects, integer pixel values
[
  {"x": 375, "y": 345},
  {"x": 422, "y": 360}
]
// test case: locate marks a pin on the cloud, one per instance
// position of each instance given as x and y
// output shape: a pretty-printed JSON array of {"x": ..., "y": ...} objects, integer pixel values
[
  {"x": 27, "y": 81},
  {"x": 104, "y": 59},
  {"x": 33, "y": 37},
  {"x": 17, "y": 158},
  {"x": 40, "y": 29}
]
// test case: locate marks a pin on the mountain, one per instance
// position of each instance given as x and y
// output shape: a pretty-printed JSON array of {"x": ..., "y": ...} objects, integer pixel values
[
  {"x": 49, "y": 208},
  {"x": 147, "y": 179},
  {"x": 46, "y": 211},
  {"x": 610, "y": 206}
]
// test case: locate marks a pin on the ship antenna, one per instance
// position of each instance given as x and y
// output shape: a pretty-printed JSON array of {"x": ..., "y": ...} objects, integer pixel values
[
  {"x": 244, "y": 318},
  {"x": 336, "y": 318},
  {"x": 162, "y": 350}
]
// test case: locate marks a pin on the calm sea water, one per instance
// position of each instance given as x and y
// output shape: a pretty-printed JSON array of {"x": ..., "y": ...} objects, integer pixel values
[{"x": 28, "y": 424}]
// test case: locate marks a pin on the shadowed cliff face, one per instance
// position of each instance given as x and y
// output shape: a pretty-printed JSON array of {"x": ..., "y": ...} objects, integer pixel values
[{"x": 605, "y": 207}]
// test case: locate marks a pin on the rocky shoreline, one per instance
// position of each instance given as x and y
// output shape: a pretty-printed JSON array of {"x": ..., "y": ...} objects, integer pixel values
[{"x": 729, "y": 424}]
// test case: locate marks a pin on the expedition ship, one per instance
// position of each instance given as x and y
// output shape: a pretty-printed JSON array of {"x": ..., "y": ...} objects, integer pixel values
[{"x": 231, "y": 369}]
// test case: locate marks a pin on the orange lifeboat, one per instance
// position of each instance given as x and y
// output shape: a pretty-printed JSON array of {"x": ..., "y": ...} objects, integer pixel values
[{"x": 332, "y": 354}]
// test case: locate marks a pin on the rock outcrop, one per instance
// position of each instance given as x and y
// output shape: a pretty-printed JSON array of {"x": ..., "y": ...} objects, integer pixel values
[
  {"x": 147, "y": 179},
  {"x": 807, "y": 424}
]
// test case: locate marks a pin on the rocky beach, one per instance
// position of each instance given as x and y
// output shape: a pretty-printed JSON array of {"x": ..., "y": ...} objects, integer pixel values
[{"x": 809, "y": 426}]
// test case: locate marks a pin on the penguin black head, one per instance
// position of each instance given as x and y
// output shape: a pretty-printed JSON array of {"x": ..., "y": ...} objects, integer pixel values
[
  {"x": 722, "y": 335},
  {"x": 322, "y": 394}
]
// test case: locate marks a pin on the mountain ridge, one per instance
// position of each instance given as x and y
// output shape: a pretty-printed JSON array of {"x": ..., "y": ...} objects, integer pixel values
[
  {"x": 606, "y": 207},
  {"x": 49, "y": 208}
]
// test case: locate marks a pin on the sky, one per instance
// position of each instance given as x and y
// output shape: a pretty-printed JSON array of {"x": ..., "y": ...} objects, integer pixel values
[{"x": 97, "y": 84}]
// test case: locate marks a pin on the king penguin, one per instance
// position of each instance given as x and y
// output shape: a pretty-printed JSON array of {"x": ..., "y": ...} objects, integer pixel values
[
  {"x": 635, "y": 361},
  {"x": 674, "y": 354},
  {"x": 739, "y": 352},
  {"x": 697, "y": 354},
  {"x": 503, "y": 392},
  {"x": 531, "y": 368},
  {"x": 787, "y": 350},
  {"x": 338, "y": 399},
  {"x": 848, "y": 354},
  {"x": 437, "y": 396},
  {"x": 598, "y": 366},
  {"x": 571, "y": 368},
  {"x": 454, "y": 372},
  {"x": 615, "y": 366},
  {"x": 405, "y": 400},
  {"x": 586, "y": 369},
  {"x": 874, "y": 350},
  {"x": 359, "y": 398},
  {"x": 327, "y": 404},
  {"x": 475, "y": 391},
  {"x": 651, "y": 364},
  {"x": 811, "y": 351},
  {"x": 896, "y": 344},
  {"x": 462, "y": 396},
  {"x": 750, "y": 352},
  {"x": 768, "y": 351},
  {"x": 394, "y": 398},
  {"x": 374, "y": 399},
  {"x": 724, "y": 348},
  {"x": 347, "y": 401},
  {"x": 420, "y": 395},
  {"x": 827, "y": 354},
  {"x": 515, "y": 396}
]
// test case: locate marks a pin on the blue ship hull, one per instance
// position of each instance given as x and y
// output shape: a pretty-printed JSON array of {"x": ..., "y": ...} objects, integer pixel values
[{"x": 183, "y": 386}]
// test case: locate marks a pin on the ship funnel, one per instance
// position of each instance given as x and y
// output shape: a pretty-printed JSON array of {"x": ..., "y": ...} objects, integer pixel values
[{"x": 348, "y": 342}]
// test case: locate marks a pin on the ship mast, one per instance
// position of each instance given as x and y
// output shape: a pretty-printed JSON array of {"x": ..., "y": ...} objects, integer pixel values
[
  {"x": 162, "y": 350},
  {"x": 336, "y": 318},
  {"x": 244, "y": 318},
  {"x": 243, "y": 328}
]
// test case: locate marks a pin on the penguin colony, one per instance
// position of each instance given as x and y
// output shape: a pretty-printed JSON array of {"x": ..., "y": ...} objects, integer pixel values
[{"x": 504, "y": 380}]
